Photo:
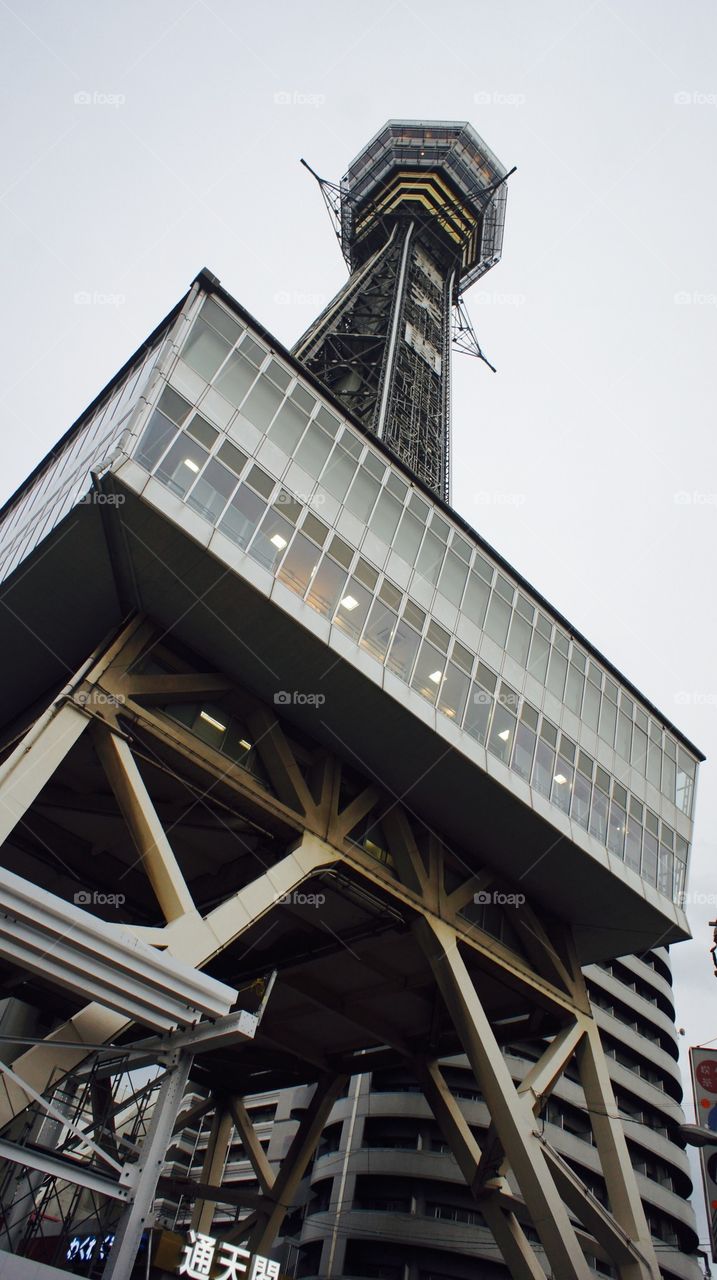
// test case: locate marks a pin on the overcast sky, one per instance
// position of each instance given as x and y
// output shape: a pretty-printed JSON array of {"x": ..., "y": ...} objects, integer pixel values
[{"x": 147, "y": 140}]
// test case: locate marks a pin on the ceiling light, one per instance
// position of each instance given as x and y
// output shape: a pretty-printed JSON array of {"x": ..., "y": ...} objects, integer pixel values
[
  {"x": 504, "y": 735},
  {"x": 246, "y": 745},
  {"x": 560, "y": 779},
  {"x": 436, "y": 677},
  {"x": 192, "y": 465},
  {"x": 349, "y": 602},
  {"x": 216, "y": 724},
  {"x": 278, "y": 541}
]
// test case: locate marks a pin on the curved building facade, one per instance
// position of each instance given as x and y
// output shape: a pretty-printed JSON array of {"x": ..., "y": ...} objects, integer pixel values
[{"x": 385, "y": 1199}]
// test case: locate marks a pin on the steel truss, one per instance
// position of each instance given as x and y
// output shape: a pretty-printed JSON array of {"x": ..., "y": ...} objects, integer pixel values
[{"x": 456, "y": 966}]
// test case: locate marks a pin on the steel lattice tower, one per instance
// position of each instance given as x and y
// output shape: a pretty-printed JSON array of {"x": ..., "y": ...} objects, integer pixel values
[{"x": 421, "y": 212}]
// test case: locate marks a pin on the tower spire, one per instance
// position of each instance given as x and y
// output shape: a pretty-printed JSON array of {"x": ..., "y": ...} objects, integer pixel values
[{"x": 420, "y": 214}]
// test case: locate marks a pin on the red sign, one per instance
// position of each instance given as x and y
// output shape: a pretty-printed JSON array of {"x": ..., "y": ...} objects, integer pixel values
[{"x": 706, "y": 1075}]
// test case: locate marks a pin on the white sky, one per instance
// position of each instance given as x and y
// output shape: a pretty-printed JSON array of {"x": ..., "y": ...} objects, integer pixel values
[{"x": 601, "y": 318}]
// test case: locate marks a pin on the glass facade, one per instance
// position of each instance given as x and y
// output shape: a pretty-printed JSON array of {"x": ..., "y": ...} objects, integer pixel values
[
  {"x": 258, "y": 455},
  {"x": 65, "y": 478}
]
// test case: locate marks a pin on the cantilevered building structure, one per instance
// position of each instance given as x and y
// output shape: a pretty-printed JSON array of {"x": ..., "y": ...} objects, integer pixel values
[{"x": 317, "y": 816}]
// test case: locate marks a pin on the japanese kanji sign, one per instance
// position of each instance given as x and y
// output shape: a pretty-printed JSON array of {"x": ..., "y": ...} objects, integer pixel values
[{"x": 206, "y": 1258}]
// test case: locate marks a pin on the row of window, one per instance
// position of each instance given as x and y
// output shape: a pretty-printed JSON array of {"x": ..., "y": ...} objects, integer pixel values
[
  {"x": 342, "y": 586},
  {"x": 444, "y": 561}
]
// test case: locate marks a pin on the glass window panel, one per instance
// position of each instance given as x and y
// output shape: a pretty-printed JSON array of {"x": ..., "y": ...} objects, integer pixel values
[
  {"x": 396, "y": 486},
  {"x": 654, "y": 762},
  {"x": 327, "y": 420},
  {"x": 362, "y": 494},
  {"x": 539, "y": 654},
  {"x": 591, "y": 706},
  {"x": 616, "y": 829},
  {"x": 574, "y": 690},
  {"x": 649, "y": 857},
  {"x": 639, "y": 749},
  {"x": 438, "y": 635},
  {"x": 232, "y": 457},
  {"x": 299, "y": 565},
  {"x": 598, "y": 815},
  {"x": 684, "y": 782},
  {"x": 212, "y": 490},
  {"x": 259, "y": 480},
  {"x": 204, "y": 350},
  {"x": 430, "y": 558},
  {"x": 385, "y": 518},
  {"x": 271, "y": 540},
  {"x": 262, "y": 403},
  {"x": 303, "y": 398},
  {"x": 220, "y": 319},
  {"x": 236, "y": 378},
  {"x": 315, "y": 529},
  {"x": 462, "y": 656},
  {"x": 202, "y": 431},
  {"x": 666, "y": 871},
  {"x": 498, "y": 619},
  {"x": 453, "y": 578},
  {"x": 544, "y": 768},
  {"x": 252, "y": 350},
  {"x": 475, "y": 600},
  {"x": 390, "y": 594},
  {"x": 379, "y": 629},
  {"x": 341, "y": 551},
  {"x": 182, "y": 465},
  {"x": 155, "y": 438},
  {"x": 326, "y": 587},
  {"x": 408, "y": 538},
  {"x": 453, "y": 694},
  {"x": 291, "y": 508},
  {"x": 519, "y": 639},
  {"x": 478, "y": 709},
  {"x": 419, "y": 507},
  {"x": 502, "y": 733},
  {"x": 504, "y": 588},
  {"x": 633, "y": 843},
  {"x": 288, "y": 426},
  {"x": 608, "y": 719},
  {"x": 581, "y": 800},
  {"x": 278, "y": 374},
  {"x": 242, "y": 516},
  {"x": 374, "y": 466},
  {"x": 314, "y": 450},
  {"x": 524, "y": 750},
  {"x": 339, "y": 473},
  {"x": 353, "y": 608},
  {"x": 174, "y": 406},
  {"x": 563, "y": 784},
  {"x": 557, "y": 672},
  {"x": 669, "y": 777},
  {"x": 366, "y": 573},
  {"x": 428, "y": 675},
  {"x": 403, "y": 650},
  {"x": 623, "y": 740}
]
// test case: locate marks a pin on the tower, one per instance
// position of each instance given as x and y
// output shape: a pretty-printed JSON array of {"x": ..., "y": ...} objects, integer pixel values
[
  {"x": 421, "y": 212},
  {"x": 301, "y": 784}
]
